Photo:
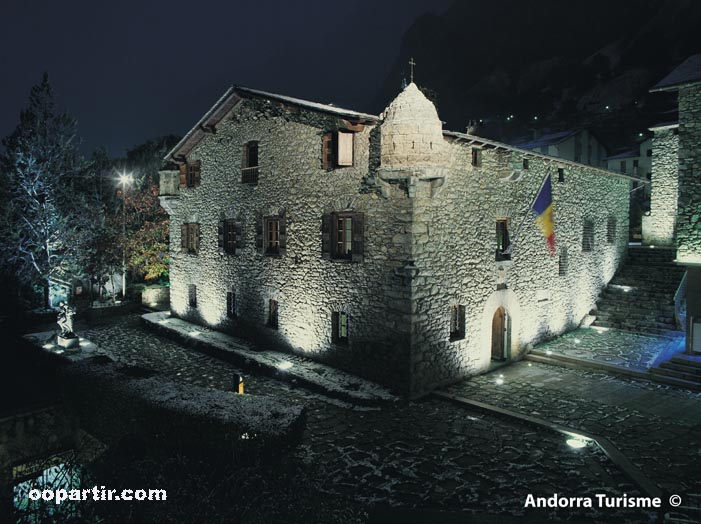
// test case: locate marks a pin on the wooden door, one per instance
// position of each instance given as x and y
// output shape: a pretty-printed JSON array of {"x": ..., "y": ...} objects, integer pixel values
[{"x": 498, "y": 334}]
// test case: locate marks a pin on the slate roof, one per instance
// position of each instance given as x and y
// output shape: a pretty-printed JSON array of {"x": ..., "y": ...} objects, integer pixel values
[{"x": 688, "y": 72}]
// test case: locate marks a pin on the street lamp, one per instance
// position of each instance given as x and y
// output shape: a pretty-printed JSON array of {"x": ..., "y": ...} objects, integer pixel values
[{"x": 124, "y": 179}]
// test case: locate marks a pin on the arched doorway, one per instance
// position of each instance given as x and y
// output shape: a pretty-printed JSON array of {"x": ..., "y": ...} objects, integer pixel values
[{"x": 499, "y": 334}]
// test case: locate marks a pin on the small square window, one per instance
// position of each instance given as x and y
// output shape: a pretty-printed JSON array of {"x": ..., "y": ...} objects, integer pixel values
[
  {"x": 273, "y": 311},
  {"x": 457, "y": 322},
  {"x": 503, "y": 251},
  {"x": 476, "y": 157},
  {"x": 525, "y": 163},
  {"x": 611, "y": 230},
  {"x": 560, "y": 174},
  {"x": 340, "y": 327},
  {"x": 192, "y": 295}
]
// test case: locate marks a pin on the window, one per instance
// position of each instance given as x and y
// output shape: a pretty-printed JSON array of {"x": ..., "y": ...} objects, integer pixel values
[
  {"x": 503, "y": 251},
  {"x": 231, "y": 304},
  {"x": 525, "y": 163},
  {"x": 271, "y": 235},
  {"x": 190, "y": 238},
  {"x": 337, "y": 149},
  {"x": 635, "y": 163},
  {"x": 588, "y": 236},
  {"x": 476, "y": 157},
  {"x": 649, "y": 151},
  {"x": 190, "y": 174},
  {"x": 343, "y": 236},
  {"x": 230, "y": 237},
  {"x": 560, "y": 174},
  {"x": 562, "y": 262},
  {"x": 623, "y": 166},
  {"x": 249, "y": 167},
  {"x": 611, "y": 230},
  {"x": 457, "y": 322},
  {"x": 192, "y": 295},
  {"x": 340, "y": 327},
  {"x": 273, "y": 310}
]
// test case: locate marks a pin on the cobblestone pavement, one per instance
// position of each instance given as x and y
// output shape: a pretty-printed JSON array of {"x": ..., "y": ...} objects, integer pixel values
[
  {"x": 430, "y": 454},
  {"x": 612, "y": 346},
  {"x": 657, "y": 427}
]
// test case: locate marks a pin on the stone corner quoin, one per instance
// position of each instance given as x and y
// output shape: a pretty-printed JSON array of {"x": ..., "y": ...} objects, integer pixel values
[{"x": 422, "y": 300}]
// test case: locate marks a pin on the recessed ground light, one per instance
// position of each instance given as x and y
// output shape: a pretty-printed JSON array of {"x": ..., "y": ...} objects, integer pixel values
[
  {"x": 576, "y": 443},
  {"x": 285, "y": 365},
  {"x": 195, "y": 333}
]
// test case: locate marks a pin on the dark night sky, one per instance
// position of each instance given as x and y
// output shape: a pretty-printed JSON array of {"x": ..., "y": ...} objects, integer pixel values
[{"x": 134, "y": 70}]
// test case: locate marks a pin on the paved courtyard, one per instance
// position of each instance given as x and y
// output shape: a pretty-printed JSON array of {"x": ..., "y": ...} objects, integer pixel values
[{"x": 434, "y": 454}]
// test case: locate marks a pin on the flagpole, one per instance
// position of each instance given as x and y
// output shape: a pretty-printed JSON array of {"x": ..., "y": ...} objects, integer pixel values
[{"x": 530, "y": 207}]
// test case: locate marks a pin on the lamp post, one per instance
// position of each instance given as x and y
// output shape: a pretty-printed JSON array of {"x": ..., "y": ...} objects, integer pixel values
[{"x": 124, "y": 179}]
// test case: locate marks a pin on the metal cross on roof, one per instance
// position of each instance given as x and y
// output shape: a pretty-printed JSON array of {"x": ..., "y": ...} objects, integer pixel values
[{"x": 411, "y": 68}]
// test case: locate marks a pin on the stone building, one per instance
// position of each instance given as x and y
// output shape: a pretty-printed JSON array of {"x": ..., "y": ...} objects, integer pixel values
[
  {"x": 578, "y": 145},
  {"x": 685, "y": 80},
  {"x": 382, "y": 245}
]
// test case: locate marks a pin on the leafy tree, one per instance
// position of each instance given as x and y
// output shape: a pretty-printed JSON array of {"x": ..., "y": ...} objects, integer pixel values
[{"x": 43, "y": 170}]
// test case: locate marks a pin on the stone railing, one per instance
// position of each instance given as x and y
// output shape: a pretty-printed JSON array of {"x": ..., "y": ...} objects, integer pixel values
[
  {"x": 168, "y": 183},
  {"x": 679, "y": 301}
]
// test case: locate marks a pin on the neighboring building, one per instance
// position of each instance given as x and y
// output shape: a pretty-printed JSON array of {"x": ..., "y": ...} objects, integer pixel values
[
  {"x": 578, "y": 145},
  {"x": 381, "y": 245},
  {"x": 685, "y": 80}
]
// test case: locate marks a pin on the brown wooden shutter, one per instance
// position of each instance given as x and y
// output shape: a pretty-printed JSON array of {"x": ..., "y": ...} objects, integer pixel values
[
  {"x": 238, "y": 226},
  {"x": 221, "y": 232},
  {"x": 326, "y": 222},
  {"x": 196, "y": 173},
  {"x": 358, "y": 237},
  {"x": 183, "y": 175},
  {"x": 259, "y": 233},
  {"x": 344, "y": 155},
  {"x": 283, "y": 234},
  {"x": 327, "y": 151},
  {"x": 183, "y": 238},
  {"x": 197, "y": 237}
]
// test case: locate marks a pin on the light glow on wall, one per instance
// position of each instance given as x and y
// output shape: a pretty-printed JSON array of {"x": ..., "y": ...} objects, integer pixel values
[{"x": 285, "y": 365}]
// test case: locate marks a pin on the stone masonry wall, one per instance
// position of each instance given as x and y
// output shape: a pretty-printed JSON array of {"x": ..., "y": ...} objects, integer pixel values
[
  {"x": 689, "y": 214},
  {"x": 307, "y": 287},
  {"x": 455, "y": 254},
  {"x": 658, "y": 227}
]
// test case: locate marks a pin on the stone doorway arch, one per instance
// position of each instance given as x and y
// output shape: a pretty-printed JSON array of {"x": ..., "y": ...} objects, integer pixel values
[{"x": 500, "y": 328}]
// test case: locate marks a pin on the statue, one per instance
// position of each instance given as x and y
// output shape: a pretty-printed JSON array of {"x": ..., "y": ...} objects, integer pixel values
[{"x": 66, "y": 338}]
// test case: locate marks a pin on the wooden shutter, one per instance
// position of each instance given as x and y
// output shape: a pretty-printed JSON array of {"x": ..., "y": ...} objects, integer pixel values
[
  {"x": 326, "y": 222},
  {"x": 196, "y": 167},
  {"x": 238, "y": 226},
  {"x": 221, "y": 232},
  {"x": 196, "y": 232},
  {"x": 344, "y": 155},
  {"x": 358, "y": 237},
  {"x": 334, "y": 326},
  {"x": 327, "y": 151},
  {"x": 283, "y": 234},
  {"x": 183, "y": 175},
  {"x": 259, "y": 233},
  {"x": 183, "y": 238}
]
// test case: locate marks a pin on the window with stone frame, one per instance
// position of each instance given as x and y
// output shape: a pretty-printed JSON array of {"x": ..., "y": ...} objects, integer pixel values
[
  {"x": 190, "y": 174},
  {"x": 588, "y": 236},
  {"x": 337, "y": 149},
  {"x": 476, "y": 157},
  {"x": 340, "y": 327},
  {"x": 611, "y": 230},
  {"x": 271, "y": 235},
  {"x": 342, "y": 236},
  {"x": 273, "y": 313},
  {"x": 192, "y": 295},
  {"x": 190, "y": 238},
  {"x": 457, "y": 322},
  {"x": 562, "y": 262},
  {"x": 503, "y": 251},
  {"x": 249, "y": 163},
  {"x": 231, "y": 304},
  {"x": 230, "y": 237}
]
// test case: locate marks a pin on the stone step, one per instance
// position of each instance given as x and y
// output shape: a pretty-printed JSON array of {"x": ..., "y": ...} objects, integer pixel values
[
  {"x": 682, "y": 368},
  {"x": 652, "y": 316},
  {"x": 687, "y": 360},
  {"x": 666, "y": 332},
  {"x": 689, "y": 377},
  {"x": 687, "y": 384}
]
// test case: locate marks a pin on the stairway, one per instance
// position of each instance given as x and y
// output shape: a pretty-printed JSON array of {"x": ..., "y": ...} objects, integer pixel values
[
  {"x": 640, "y": 297},
  {"x": 681, "y": 370}
]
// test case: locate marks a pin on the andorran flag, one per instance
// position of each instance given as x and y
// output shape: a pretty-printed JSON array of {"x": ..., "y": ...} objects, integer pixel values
[{"x": 543, "y": 210}]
